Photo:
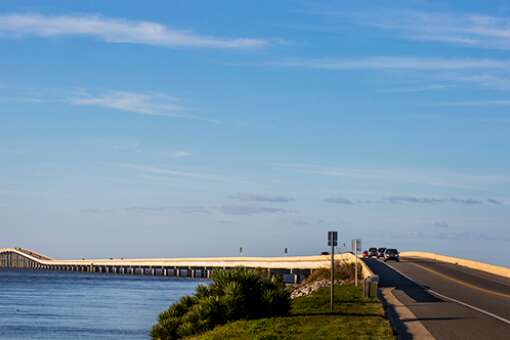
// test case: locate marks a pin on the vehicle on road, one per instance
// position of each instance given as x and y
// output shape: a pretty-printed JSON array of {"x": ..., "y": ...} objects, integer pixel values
[
  {"x": 372, "y": 252},
  {"x": 380, "y": 252},
  {"x": 365, "y": 253},
  {"x": 391, "y": 254}
]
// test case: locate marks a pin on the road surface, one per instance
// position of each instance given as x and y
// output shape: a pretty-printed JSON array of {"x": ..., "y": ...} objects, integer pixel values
[{"x": 427, "y": 288}]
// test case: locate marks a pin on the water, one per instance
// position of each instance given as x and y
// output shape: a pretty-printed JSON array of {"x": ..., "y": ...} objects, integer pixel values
[{"x": 67, "y": 305}]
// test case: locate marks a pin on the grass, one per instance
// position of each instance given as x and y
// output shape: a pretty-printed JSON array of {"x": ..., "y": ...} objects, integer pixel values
[{"x": 354, "y": 317}]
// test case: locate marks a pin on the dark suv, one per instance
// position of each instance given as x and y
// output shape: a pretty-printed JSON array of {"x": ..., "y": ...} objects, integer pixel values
[
  {"x": 391, "y": 254},
  {"x": 380, "y": 252},
  {"x": 372, "y": 252}
]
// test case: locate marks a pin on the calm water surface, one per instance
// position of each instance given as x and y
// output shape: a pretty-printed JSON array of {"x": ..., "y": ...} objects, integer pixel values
[{"x": 66, "y": 305}]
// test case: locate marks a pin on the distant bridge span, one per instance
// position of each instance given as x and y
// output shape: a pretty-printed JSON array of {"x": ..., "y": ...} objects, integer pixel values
[{"x": 297, "y": 266}]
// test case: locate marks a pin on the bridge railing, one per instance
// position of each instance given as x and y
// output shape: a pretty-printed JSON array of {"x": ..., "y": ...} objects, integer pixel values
[{"x": 489, "y": 268}]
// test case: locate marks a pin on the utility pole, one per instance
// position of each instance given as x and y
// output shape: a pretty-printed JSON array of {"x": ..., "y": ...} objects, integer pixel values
[{"x": 332, "y": 241}]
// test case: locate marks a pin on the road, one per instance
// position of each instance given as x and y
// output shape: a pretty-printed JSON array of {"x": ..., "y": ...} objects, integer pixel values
[{"x": 427, "y": 288}]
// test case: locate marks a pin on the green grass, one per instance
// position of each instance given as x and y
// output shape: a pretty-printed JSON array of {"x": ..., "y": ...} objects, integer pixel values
[{"x": 354, "y": 317}]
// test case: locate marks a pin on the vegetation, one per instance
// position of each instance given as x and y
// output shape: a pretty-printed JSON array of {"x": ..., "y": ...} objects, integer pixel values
[
  {"x": 354, "y": 317},
  {"x": 343, "y": 271},
  {"x": 232, "y": 295}
]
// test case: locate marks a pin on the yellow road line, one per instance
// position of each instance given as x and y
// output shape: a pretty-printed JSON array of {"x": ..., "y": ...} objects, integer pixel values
[{"x": 460, "y": 281}]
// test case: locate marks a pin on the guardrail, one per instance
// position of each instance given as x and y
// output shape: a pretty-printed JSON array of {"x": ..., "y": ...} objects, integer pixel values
[{"x": 485, "y": 267}]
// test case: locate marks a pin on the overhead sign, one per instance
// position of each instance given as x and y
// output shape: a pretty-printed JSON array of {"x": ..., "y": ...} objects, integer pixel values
[{"x": 332, "y": 238}]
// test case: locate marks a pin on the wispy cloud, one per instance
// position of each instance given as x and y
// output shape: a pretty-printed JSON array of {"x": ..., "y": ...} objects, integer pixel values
[
  {"x": 98, "y": 211},
  {"x": 432, "y": 200},
  {"x": 407, "y": 199},
  {"x": 149, "y": 103},
  {"x": 339, "y": 200},
  {"x": 502, "y": 102},
  {"x": 419, "y": 88},
  {"x": 393, "y": 63},
  {"x": 473, "y": 30},
  {"x": 176, "y": 153},
  {"x": 250, "y": 197},
  {"x": 145, "y": 103},
  {"x": 431, "y": 178},
  {"x": 116, "y": 31},
  {"x": 251, "y": 210},
  {"x": 192, "y": 209},
  {"x": 147, "y": 169}
]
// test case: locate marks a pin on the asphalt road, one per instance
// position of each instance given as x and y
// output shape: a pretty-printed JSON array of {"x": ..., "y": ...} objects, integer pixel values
[{"x": 443, "y": 318}]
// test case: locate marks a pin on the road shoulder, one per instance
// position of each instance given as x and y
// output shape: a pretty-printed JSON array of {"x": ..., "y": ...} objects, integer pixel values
[{"x": 403, "y": 321}]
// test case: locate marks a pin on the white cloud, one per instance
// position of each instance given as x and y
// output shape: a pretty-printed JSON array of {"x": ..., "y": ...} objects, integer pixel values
[
  {"x": 435, "y": 179},
  {"x": 432, "y": 73},
  {"x": 251, "y": 210},
  {"x": 402, "y": 199},
  {"x": 394, "y": 63},
  {"x": 176, "y": 153},
  {"x": 116, "y": 31},
  {"x": 146, "y": 103},
  {"x": 471, "y": 30},
  {"x": 501, "y": 102},
  {"x": 251, "y": 197},
  {"x": 156, "y": 104},
  {"x": 173, "y": 173}
]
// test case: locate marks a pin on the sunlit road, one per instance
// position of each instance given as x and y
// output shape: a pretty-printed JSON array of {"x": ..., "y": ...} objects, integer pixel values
[{"x": 437, "y": 283}]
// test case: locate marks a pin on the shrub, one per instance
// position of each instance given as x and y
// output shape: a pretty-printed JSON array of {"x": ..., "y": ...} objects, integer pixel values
[
  {"x": 232, "y": 295},
  {"x": 343, "y": 271}
]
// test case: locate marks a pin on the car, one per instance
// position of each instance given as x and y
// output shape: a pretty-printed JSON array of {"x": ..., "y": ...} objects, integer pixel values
[
  {"x": 380, "y": 252},
  {"x": 365, "y": 253},
  {"x": 372, "y": 252},
  {"x": 391, "y": 254},
  {"x": 324, "y": 253}
]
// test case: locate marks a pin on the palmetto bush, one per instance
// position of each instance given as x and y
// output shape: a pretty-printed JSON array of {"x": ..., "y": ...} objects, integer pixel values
[{"x": 232, "y": 295}]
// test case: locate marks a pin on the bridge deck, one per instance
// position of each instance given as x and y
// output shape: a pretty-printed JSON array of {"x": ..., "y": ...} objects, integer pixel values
[
  {"x": 289, "y": 262},
  {"x": 296, "y": 266}
]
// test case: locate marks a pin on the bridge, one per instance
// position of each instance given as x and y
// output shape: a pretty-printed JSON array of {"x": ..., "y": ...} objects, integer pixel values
[
  {"x": 297, "y": 267},
  {"x": 427, "y": 295}
]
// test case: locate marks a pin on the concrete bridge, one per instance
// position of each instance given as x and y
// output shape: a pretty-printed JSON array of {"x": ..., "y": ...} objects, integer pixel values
[{"x": 294, "y": 267}]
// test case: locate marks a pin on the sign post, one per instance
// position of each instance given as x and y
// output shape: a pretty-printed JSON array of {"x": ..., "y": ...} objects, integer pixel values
[
  {"x": 333, "y": 242},
  {"x": 356, "y": 246}
]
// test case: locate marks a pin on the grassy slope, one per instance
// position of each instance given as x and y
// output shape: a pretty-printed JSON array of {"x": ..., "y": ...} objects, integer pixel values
[{"x": 355, "y": 317}]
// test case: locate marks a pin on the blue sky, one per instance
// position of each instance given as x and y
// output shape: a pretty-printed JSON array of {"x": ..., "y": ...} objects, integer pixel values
[{"x": 191, "y": 128}]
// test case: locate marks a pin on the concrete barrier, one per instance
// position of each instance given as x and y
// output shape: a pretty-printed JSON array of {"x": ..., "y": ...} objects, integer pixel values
[{"x": 485, "y": 267}]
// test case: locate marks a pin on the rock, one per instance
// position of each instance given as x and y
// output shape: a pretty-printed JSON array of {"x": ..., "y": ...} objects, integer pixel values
[{"x": 308, "y": 288}]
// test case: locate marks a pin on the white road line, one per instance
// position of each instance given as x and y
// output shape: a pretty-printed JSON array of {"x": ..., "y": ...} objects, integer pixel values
[{"x": 483, "y": 311}]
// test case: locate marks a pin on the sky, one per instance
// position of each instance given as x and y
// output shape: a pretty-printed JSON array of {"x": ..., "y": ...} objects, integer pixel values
[{"x": 194, "y": 128}]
